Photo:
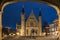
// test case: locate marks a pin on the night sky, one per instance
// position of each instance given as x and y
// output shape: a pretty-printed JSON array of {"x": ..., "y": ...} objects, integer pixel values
[{"x": 12, "y": 13}]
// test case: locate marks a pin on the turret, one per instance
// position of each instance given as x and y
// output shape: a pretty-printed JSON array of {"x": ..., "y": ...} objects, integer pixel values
[
  {"x": 40, "y": 22},
  {"x": 22, "y": 22}
]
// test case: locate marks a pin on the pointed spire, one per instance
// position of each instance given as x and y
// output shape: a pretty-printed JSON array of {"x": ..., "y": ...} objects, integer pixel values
[
  {"x": 23, "y": 9},
  {"x": 32, "y": 13},
  {"x": 40, "y": 13}
]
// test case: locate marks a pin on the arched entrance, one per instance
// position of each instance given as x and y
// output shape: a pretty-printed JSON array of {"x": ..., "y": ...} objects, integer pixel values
[{"x": 34, "y": 32}]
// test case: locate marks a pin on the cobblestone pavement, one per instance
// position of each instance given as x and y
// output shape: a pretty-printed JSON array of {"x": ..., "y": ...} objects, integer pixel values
[{"x": 31, "y": 38}]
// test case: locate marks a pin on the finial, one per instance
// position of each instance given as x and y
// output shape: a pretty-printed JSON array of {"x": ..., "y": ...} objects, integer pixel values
[
  {"x": 32, "y": 11},
  {"x": 39, "y": 12},
  {"x": 23, "y": 9}
]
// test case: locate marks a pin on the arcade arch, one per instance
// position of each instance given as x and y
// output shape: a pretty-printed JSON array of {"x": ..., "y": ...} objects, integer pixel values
[{"x": 55, "y": 7}]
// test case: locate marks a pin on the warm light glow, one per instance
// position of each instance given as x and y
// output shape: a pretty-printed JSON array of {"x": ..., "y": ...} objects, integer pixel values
[
  {"x": 17, "y": 33},
  {"x": 53, "y": 33},
  {"x": 44, "y": 33},
  {"x": 56, "y": 31},
  {"x": 11, "y": 34}
]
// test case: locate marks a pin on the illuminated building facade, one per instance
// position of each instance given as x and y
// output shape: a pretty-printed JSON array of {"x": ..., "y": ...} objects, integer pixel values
[{"x": 30, "y": 26}]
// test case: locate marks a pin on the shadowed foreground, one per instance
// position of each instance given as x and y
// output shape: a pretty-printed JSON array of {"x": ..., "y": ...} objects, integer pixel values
[{"x": 31, "y": 38}]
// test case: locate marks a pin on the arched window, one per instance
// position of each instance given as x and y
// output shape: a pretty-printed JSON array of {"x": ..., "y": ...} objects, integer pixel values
[
  {"x": 34, "y": 32},
  {"x": 31, "y": 23}
]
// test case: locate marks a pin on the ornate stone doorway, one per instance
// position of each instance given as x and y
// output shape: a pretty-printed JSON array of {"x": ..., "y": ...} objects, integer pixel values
[{"x": 34, "y": 32}]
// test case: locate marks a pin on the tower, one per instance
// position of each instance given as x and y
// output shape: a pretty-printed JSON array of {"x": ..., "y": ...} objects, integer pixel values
[
  {"x": 0, "y": 25},
  {"x": 22, "y": 23},
  {"x": 40, "y": 22}
]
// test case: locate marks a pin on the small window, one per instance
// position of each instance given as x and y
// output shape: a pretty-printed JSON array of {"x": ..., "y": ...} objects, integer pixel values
[
  {"x": 27, "y": 31},
  {"x": 31, "y": 23},
  {"x": 31, "y": 18}
]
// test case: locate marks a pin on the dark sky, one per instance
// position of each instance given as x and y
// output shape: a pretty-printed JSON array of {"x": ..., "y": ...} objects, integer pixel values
[
  {"x": 55, "y": 2},
  {"x": 11, "y": 14}
]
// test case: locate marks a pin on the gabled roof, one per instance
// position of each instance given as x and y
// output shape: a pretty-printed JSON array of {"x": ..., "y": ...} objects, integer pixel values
[{"x": 32, "y": 14}]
